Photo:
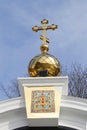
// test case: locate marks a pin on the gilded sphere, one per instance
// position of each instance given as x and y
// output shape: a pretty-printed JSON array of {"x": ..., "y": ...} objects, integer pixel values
[{"x": 44, "y": 63}]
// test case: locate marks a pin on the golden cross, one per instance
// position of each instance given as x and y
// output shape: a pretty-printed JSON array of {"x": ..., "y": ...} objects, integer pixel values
[{"x": 44, "y": 28}]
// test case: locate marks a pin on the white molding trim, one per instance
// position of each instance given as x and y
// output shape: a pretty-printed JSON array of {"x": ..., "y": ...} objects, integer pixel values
[
  {"x": 73, "y": 113},
  {"x": 11, "y": 104},
  {"x": 43, "y": 81}
]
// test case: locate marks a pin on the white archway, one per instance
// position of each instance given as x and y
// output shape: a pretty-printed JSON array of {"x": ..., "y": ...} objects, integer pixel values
[
  {"x": 73, "y": 113},
  {"x": 46, "y": 128}
]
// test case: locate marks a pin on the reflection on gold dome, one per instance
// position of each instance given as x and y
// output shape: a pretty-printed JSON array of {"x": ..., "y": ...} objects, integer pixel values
[{"x": 44, "y": 64}]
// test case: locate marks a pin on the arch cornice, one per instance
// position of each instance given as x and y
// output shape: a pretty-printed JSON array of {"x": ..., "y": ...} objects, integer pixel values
[{"x": 73, "y": 113}]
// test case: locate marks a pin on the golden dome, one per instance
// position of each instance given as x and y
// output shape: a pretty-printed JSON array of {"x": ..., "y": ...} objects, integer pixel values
[{"x": 44, "y": 63}]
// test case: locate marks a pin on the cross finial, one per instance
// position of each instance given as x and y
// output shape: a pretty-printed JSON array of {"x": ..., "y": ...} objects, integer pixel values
[{"x": 44, "y": 28}]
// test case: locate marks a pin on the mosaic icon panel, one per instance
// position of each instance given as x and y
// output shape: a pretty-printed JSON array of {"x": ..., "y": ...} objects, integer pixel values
[{"x": 42, "y": 101}]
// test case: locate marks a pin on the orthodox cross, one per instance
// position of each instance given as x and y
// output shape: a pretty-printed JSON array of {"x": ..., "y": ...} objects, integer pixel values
[{"x": 44, "y": 28}]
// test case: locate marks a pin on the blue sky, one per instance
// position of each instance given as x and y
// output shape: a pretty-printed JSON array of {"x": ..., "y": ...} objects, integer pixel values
[{"x": 18, "y": 43}]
